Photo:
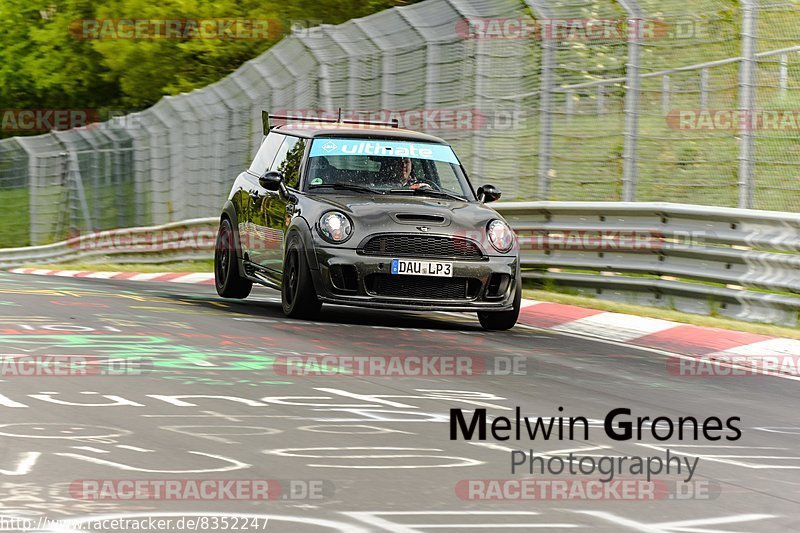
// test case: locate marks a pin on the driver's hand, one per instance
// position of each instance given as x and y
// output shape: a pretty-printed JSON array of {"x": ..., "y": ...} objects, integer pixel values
[{"x": 420, "y": 185}]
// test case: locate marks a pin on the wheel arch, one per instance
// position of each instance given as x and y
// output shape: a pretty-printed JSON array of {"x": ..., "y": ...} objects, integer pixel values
[
  {"x": 229, "y": 213},
  {"x": 301, "y": 228}
]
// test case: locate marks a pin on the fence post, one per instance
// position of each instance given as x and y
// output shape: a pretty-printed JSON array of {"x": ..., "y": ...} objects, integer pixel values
[
  {"x": 630, "y": 132},
  {"x": 76, "y": 195},
  {"x": 33, "y": 214},
  {"x": 704, "y": 89},
  {"x": 478, "y": 144},
  {"x": 747, "y": 103},
  {"x": 784, "y": 74},
  {"x": 546, "y": 116},
  {"x": 569, "y": 104},
  {"x": 601, "y": 99}
]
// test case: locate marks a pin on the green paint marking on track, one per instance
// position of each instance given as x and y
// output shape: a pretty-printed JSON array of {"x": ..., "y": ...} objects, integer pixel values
[
  {"x": 162, "y": 352},
  {"x": 199, "y": 380}
]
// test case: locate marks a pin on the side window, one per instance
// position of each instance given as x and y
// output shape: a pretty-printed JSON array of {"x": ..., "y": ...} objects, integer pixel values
[
  {"x": 266, "y": 153},
  {"x": 288, "y": 160}
]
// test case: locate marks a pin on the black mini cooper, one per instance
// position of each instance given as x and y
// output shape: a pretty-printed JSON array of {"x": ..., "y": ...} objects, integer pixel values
[{"x": 367, "y": 215}]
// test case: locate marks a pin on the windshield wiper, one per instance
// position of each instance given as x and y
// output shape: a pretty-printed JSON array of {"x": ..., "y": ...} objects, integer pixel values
[
  {"x": 429, "y": 192},
  {"x": 345, "y": 187}
]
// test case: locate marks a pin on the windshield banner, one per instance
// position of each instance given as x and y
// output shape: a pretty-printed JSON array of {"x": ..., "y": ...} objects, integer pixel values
[{"x": 371, "y": 147}]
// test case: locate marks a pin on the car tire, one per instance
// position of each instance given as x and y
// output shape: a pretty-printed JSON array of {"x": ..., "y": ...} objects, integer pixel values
[
  {"x": 298, "y": 296},
  {"x": 226, "y": 265},
  {"x": 503, "y": 320}
]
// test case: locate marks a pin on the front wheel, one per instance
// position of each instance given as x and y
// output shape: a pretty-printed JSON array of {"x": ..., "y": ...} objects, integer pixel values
[
  {"x": 503, "y": 320},
  {"x": 226, "y": 265},
  {"x": 298, "y": 296}
]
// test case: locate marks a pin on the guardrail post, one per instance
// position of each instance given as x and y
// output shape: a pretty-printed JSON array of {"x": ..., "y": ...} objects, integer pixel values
[
  {"x": 747, "y": 104},
  {"x": 665, "y": 94}
]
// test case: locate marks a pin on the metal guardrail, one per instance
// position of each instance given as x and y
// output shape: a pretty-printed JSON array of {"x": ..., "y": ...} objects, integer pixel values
[
  {"x": 177, "y": 241},
  {"x": 740, "y": 263},
  {"x": 709, "y": 260}
]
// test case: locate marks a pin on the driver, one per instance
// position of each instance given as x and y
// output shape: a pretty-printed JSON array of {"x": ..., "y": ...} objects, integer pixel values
[
  {"x": 400, "y": 171},
  {"x": 397, "y": 170},
  {"x": 404, "y": 172}
]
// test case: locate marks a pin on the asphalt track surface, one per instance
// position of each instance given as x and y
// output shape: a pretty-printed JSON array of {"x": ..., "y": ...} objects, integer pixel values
[{"x": 375, "y": 451}]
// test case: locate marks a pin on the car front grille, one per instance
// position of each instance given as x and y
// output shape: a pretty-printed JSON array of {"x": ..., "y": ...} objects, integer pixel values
[
  {"x": 422, "y": 246},
  {"x": 422, "y": 287}
]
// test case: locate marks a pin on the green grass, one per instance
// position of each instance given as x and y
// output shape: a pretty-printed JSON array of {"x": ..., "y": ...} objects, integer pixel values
[
  {"x": 110, "y": 206},
  {"x": 15, "y": 221},
  {"x": 664, "y": 314},
  {"x": 681, "y": 166},
  {"x": 696, "y": 166}
]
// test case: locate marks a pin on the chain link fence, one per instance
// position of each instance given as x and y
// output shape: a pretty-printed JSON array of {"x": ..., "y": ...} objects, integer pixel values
[{"x": 620, "y": 100}]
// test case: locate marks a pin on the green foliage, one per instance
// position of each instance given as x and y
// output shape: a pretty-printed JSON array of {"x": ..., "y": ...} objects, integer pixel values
[
  {"x": 41, "y": 64},
  {"x": 291, "y": 166},
  {"x": 45, "y": 63}
]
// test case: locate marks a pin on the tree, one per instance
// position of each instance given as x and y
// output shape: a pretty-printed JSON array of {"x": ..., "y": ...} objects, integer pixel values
[
  {"x": 42, "y": 65},
  {"x": 48, "y": 59}
]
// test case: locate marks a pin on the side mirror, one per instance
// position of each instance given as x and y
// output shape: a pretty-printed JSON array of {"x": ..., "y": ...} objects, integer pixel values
[
  {"x": 488, "y": 193},
  {"x": 271, "y": 180}
]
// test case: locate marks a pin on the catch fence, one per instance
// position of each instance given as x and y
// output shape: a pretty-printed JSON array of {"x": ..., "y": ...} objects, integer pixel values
[{"x": 574, "y": 100}]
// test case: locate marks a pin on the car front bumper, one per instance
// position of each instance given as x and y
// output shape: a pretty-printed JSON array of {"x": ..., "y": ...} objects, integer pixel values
[{"x": 363, "y": 293}]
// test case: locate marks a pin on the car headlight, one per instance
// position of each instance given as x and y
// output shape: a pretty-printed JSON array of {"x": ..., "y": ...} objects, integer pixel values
[
  {"x": 500, "y": 235},
  {"x": 335, "y": 227}
]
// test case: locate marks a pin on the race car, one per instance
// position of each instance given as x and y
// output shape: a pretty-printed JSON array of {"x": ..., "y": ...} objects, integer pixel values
[{"x": 370, "y": 215}]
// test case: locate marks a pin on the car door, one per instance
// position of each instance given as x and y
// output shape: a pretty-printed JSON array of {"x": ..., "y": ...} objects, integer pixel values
[
  {"x": 248, "y": 196},
  {"x": 272, "y": 211}
]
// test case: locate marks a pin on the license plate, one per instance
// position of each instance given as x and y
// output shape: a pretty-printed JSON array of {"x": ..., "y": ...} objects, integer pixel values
[{"x": 422, "y": 268}]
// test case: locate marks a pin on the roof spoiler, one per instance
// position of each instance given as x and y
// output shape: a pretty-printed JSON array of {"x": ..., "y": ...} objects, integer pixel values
[{"x": 265, "y": 121}]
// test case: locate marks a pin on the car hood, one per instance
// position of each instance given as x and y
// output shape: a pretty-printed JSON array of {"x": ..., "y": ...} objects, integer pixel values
[{"x": 381, "y": 212}]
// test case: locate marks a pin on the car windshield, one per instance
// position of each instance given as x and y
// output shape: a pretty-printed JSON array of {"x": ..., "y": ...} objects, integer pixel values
[{"x": 386, "y": 167}]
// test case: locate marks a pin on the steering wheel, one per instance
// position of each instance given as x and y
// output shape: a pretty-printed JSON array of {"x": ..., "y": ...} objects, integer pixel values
[{"x": 425, "y": 184}]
